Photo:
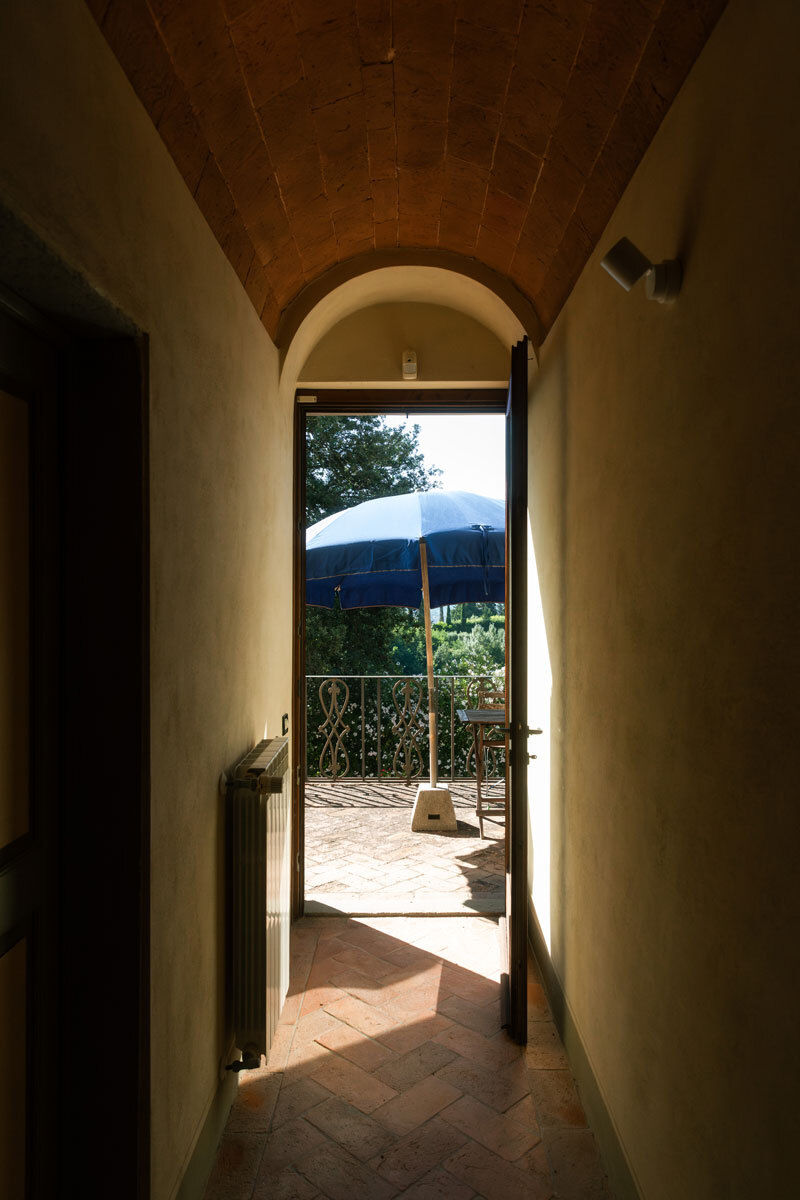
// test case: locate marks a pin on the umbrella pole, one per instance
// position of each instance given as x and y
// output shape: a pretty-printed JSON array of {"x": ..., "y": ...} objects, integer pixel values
[{"x": 426, "y": 606}]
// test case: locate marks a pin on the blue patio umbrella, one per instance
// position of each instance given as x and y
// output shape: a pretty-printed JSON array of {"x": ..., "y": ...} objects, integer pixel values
[{"x": 421, "y": 549}]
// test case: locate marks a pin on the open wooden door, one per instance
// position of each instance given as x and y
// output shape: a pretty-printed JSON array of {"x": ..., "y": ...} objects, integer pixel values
[
  {"x": 29, "y": 770},
  {"x": 74, "y": 766},
  {"x": 516, "y": 922}
]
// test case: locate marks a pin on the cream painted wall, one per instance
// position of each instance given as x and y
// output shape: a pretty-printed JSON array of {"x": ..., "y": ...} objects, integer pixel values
[
  {"x": 366, "y": 347},
  {"x": 83, "y": 166},
  {"x": 664, "y": 517}
]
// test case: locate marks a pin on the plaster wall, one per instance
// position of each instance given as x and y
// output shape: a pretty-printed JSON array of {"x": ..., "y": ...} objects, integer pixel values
[
  {"x": 366, "y": 347},
  {"x": 84, "y": 168},
  {"x": 664, "y": 524}
]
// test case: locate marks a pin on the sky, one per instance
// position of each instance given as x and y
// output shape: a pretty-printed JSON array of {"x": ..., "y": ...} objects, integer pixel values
[{"x": 469, "y": 449}]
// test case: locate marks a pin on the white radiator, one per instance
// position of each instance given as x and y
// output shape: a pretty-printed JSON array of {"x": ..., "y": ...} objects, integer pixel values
[{"x": 260, "y": 843}]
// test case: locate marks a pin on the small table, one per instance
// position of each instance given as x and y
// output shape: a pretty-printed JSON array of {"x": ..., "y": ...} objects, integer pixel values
[{"x": 482, "y": 721}]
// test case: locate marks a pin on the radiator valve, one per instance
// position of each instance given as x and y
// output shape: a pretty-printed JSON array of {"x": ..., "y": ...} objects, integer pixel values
[
  {"x": 269, "y": 784},
  {"x": 248, "y": 1062}
]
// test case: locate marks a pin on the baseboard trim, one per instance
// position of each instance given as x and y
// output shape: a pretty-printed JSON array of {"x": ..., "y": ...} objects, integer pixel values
[
  {"x": 197, "y": 1173},
  {"x": 620, "y": 1172}
]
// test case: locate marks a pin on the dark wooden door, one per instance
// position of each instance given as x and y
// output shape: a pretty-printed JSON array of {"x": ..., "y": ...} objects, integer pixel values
[
  {"x": 74, "y": 766},
  {"x": 28, "y": 774},
  {"x": 516, "y": 923}
]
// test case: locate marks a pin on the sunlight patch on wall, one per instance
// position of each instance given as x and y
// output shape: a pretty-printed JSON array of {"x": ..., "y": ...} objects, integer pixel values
[{"x": 540, "y": 688}]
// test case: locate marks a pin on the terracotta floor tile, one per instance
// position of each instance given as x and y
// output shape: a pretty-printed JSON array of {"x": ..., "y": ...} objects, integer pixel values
[
  {"x": 577, "y": 1171},
  {"x": 296, "y": 1098},
  {"x": 279, "y": 1050},
  {"x": 538, "y": 1008},
  {"x": 556, "y": 1098},
  {"x": 287, "y": 1185},
  {"x": 359, "y": 1134},
  {"x": 320, "y": 997},
  {"x": 255, "y": 1101},
  {"x": 417, "y": 1153},
  {"x": 303, "y": 936},
  {"x": 235, "y": 1168},
  {"x": 499, "y": 1088},
  {"x": 523, "y": 1111},
  {"x": 407, "y": 956},
  {"x": 347, "y": 1080},
  {"x": 364, "y": 1051},
  {"x": 407, "y": 1069},
  {"x": 340, "y": 1176},
  {"x": 483, "y": 1018},
  {"x": 287, "y": 1146},
  {"x": 470, "y": 986},
  {"x": 369, "y": 964},
  {"x": 500, "y": 1134},
  {"x": 422, "y": 1027},
  {"x": 327, "y": 927},
  {"x": 439, "y": 1185},
  {"x": 301, "y": 957},
  {"x": 355, "y": 983},
  {"x": 408, "y": 979},
  {"x": 432, "y": 1103},
  {"x": 544, "y": 1051},
  {"x": 476, "y": 1047},
  {"x": 407, "y": 1001},
  {"x": 329, "y": 949},
  {"x": 321, "y": 973},
  {"x": 291, "y": 1008},
  {"x": 302, "y": 1060},
  {"x": 536, "y": 1163},
  {"x": 411, "y": 1108},
  {"x": 493, "y": 1177},
  {"x": 308, "y": 1028},
  {"x": 361, "y": 1016},
  {"x": 365, "y": 938}
]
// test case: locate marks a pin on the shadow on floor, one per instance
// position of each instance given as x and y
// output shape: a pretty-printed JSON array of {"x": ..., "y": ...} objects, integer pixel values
[{"x": 390, "y": 1076}]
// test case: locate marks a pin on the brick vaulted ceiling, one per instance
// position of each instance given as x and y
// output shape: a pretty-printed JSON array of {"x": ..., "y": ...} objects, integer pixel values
[{"x": 312, "y": 131}]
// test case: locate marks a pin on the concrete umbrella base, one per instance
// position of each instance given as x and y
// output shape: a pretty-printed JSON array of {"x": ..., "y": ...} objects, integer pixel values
[{"x": 433, "y": 811}]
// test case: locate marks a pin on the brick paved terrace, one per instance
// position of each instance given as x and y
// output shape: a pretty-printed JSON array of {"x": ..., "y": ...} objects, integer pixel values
[{"x": 361, "y": 856}]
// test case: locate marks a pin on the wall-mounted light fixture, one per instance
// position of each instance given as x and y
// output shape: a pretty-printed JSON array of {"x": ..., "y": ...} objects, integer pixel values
[
  {"x": 409, "y": 364},
  {"x": 626, "y": 263}
]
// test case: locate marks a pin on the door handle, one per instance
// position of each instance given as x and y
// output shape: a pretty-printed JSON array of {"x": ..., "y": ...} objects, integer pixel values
[{"x": 532, "y": 731}]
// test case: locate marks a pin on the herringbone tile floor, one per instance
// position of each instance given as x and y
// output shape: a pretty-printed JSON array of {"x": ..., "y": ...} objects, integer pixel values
[{"x": 390, "y": 1076}]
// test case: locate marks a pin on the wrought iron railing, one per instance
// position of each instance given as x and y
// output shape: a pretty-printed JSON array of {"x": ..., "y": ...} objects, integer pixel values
[{"x": 362, "y": 727}]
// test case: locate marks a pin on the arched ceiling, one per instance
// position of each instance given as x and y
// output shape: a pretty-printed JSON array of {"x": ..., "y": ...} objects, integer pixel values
[{"x": 314, "y": 131}]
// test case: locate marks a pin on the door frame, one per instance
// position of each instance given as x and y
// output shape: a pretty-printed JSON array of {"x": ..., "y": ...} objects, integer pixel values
[{"x": 348, "y": 402}]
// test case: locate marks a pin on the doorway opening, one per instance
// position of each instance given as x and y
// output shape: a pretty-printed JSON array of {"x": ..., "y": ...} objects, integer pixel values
[
  {"x": 74, "y": 822},
  {"x": 361, "y": 721}
]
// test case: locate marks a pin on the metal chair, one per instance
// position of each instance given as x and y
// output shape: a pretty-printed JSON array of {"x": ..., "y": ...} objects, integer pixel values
[{"x": 490, "y": 739}]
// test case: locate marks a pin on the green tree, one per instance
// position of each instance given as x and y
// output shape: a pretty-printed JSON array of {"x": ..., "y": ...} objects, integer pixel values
[{"x": 350, "y": 460}]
